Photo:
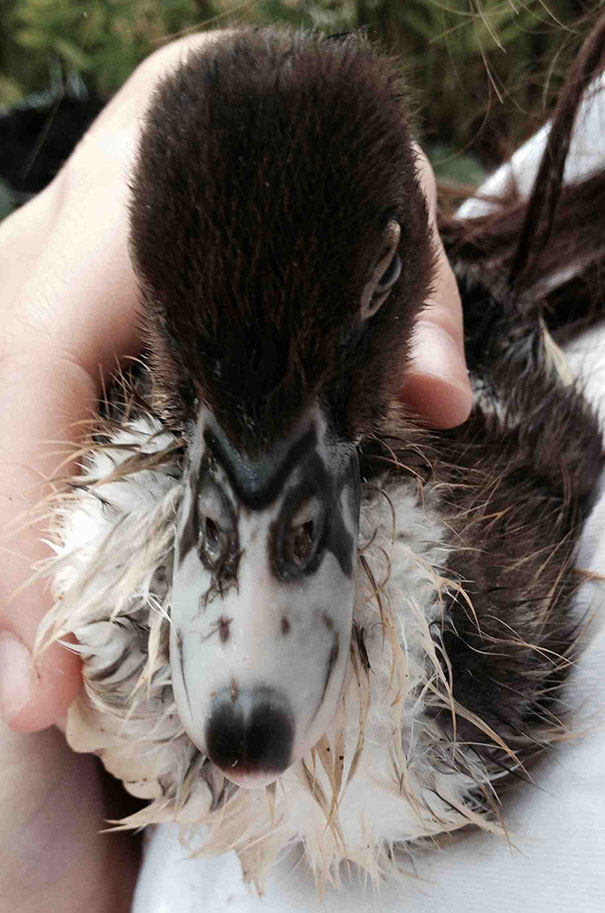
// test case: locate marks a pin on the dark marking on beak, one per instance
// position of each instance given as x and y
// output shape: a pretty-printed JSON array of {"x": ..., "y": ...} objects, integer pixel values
[
  {"x": 255, "y": 485},
  {"x": 317, "y": 484},
  {"x": 223, "y": 628},
  {"x": 252, "y": 733},
  {"x": 327, "y": 621},
  {"x": 220, "y": 626},
  {"x": 191, "y": 531},
  {"x": 179, "y": 649},
  {"x": 210, "y": 529},
  {"x": 332, "y": 658},
  {"x": 285, "y": 626}
]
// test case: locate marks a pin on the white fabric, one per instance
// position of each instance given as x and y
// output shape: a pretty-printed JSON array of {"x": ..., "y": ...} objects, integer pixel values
[
  {"x": 586, "y": 155},
  {"x": 555, "y": 857}
]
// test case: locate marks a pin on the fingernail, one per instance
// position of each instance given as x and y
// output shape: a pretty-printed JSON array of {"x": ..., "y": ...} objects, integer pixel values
[
  {"x": 17, "y": 676},
  {"x": 436, "y": 354}
]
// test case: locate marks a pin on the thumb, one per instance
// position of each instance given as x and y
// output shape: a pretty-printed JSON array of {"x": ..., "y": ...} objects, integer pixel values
[
  {"x": 70, "y": 316},
  {"x": 38, "y": 402}
]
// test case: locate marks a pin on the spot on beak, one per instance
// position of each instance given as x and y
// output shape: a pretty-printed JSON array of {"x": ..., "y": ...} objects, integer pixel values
[{"x": 223, "y": 628}]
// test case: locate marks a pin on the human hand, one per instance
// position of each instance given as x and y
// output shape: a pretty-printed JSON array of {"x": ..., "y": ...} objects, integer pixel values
[
  {"x": 70, "y": 301},
  {"x": 52, "y": 854}
]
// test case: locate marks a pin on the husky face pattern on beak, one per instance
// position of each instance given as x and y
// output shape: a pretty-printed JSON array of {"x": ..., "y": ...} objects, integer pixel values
[{"x": 263, "y": 594}]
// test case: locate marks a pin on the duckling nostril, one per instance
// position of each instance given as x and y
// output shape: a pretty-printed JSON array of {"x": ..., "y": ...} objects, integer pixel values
[{"x": 251, "y": 735}]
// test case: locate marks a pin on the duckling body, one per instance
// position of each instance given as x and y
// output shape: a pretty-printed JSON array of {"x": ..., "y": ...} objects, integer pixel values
[{"x": 273, "y": 573}]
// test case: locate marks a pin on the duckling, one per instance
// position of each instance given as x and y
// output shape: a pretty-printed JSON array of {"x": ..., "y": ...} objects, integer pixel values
[{"x": 302, "y": 615}]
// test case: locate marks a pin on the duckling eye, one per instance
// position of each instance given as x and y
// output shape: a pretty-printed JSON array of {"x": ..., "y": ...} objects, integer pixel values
[
  {"x": 385, "y": 274},
  {"x": 389, "y": 277},
  {"x": 298, "y": 544},
  {"x": 295, "y": 543}
]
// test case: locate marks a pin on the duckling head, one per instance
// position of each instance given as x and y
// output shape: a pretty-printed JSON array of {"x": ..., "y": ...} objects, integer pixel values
[{"x": 282, "y": 248}]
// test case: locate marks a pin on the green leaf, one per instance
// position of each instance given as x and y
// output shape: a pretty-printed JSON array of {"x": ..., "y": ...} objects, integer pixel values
[{"x": 71, "y": 54}]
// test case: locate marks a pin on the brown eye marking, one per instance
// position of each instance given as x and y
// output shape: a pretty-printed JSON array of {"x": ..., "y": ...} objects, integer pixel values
[
  {"x": 298, "y": 544},
  {"x": 212, "y": 534},
  {"x": 297, "y": 536},
  {"x": 332, "y": 659},
  {"x": 285, "y": 626},
  {"x": 212, "y": 542}
]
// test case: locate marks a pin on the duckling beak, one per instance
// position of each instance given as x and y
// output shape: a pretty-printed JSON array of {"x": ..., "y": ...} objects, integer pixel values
[{"x": 263, "y": 593}]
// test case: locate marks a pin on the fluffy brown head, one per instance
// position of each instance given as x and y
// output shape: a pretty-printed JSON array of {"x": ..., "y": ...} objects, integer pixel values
[{"x": 269, "y": 169}]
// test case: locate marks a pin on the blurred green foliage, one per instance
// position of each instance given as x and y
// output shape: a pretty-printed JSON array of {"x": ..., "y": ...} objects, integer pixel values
[
  {"x": 482, "y": 71},
  {"x": 103, "y": 40}
]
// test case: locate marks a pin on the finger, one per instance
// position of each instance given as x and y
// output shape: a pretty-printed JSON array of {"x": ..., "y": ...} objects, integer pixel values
[
  {"x": 69, "y": 309},
  {"x": 48, "y": 403},
  {"x": 436, "y": 388},
  {"x": 73, "y": 313},
  {"x": 436, "y": 384}
]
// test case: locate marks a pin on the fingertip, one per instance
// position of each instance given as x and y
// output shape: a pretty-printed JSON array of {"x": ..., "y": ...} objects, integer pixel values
[
  {"x": 436, "y": 385},
  {"x": 441, "y": 403},
  {"x": 34, "y": 693}
]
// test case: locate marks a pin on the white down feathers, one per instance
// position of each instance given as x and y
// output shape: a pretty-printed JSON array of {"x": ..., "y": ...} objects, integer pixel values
[{"x": 384, "y": 773}]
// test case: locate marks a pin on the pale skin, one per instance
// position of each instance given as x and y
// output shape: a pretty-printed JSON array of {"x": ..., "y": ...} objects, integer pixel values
[{"x": 69, "y": 307}]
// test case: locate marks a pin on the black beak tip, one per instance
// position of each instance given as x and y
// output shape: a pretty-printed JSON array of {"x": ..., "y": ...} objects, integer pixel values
[{"x": 250, "y": 735}]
